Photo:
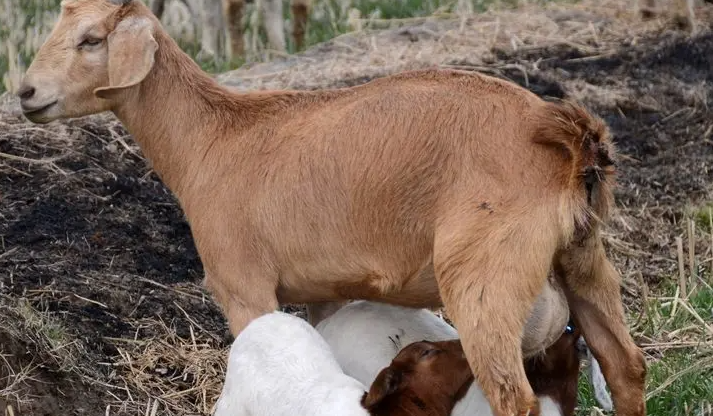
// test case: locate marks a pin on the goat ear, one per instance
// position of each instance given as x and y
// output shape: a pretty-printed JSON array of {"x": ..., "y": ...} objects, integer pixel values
[
  {"x": 386, "y": 383},
  {"x": 132, "y": 48}
]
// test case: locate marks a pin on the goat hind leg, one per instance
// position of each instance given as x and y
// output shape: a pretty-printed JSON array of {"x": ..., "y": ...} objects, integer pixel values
[
  {"x": 489, "y": 286},
  {"x": 592, "y": 286}
]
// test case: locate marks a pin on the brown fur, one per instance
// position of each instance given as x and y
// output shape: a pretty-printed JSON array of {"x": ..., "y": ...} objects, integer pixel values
[
  {"x": 424, "y": 379},
  {"x": 431, "y": 385},
  {"x": 423, "y": 189},
  {"x": 556, "y": 372}
]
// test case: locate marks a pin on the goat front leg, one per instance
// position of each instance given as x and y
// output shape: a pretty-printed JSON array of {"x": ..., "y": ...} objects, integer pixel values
[
  {"x": 592, "y": 286},
  {"x": 489, "y": 276},
  {"x": 243, "y": 295}
]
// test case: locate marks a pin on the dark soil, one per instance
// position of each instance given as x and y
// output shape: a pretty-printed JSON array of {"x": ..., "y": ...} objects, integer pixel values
[{"x": 104, "y": 246}]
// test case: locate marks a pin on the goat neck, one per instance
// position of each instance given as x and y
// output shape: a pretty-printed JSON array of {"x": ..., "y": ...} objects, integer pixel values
[{"x": 178, "y": 113}]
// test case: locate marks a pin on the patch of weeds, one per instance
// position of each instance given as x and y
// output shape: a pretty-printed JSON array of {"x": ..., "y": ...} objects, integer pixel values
[
  {"x": 679, "y": 384},
  {"x": 680, "y": 381},
  {"x": 684, "y": 384},
  {"x": 678, "y": 331},
  {"x": 30, "y": 342},
  {"x": 48, "y": 336},
  {"x": 703, "y": 216}
]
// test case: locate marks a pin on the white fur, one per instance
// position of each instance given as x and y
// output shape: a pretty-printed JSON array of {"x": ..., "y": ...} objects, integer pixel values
[
  {"x": 280, "y": 366},
  {"x": 365, "y": 336},
  {"x": 549, "y": 406},
  {"x": 599, "y": 383}
]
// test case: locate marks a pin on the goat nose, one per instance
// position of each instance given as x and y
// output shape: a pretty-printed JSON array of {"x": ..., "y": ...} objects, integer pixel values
[{"x": 26, "y": 92}]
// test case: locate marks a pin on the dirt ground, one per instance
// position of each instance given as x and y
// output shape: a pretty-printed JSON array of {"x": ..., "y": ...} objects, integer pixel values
[{"x": 101, "y": 298}]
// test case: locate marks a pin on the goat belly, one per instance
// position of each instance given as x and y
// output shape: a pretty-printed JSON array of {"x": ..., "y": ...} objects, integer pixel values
[{"x": 417, "y": 291}]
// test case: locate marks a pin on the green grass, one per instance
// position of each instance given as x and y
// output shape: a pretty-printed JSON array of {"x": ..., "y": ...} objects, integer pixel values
[
  {"x": 703, "y": 216},
  {"x": 680, "y": 372},
  {"x": 679, "y": 384}
]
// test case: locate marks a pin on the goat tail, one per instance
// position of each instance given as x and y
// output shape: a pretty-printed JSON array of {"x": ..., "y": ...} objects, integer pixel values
[{"x": 585, "y": 143}]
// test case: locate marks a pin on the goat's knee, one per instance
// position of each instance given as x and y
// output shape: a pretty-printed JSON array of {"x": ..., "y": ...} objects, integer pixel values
[
  {"x": 491, "y": 333},
  {"x": 239, "y": 316},
  {"x": 489, "y": 299}
]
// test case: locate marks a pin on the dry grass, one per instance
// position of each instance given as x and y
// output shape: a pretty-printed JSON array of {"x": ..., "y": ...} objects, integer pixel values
[
  {"x": 24, "y": 24},
  {"x": 166, "y": 373},
  {"x": 34, "y": 339},
  {"x": 163, "y": 373},
  {"x": 595, "y": 28}
]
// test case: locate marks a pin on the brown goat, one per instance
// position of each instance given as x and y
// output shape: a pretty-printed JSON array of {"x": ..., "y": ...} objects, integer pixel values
[
  {"x": 424, "y": 379},
  {"x": 423, "y": 189},
  {"x": 555, "y": 373},
  {"x": 429, "y": 378}
]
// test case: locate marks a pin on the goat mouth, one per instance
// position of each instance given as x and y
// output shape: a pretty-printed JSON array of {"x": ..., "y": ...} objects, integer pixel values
[{"x": 29, "y": 111}]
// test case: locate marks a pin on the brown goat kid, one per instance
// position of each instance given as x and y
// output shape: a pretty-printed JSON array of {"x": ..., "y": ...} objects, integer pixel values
[
  {"x": 429, "y": 378},
  {"x": 555, "y": 373},
  {"x": 421, "y": 189},
  {"x": 424, "y": 379}
]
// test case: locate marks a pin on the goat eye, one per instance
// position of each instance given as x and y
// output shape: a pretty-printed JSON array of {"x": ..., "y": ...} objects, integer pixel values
[
  {"x": 88, "y": 42},
  {"x": 426, "y": 353}
]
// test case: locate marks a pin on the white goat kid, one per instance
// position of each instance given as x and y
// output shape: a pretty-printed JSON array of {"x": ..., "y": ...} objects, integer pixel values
[
  {"x": 365, "y": 336},
  {"x": 280, "y": 366}
]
